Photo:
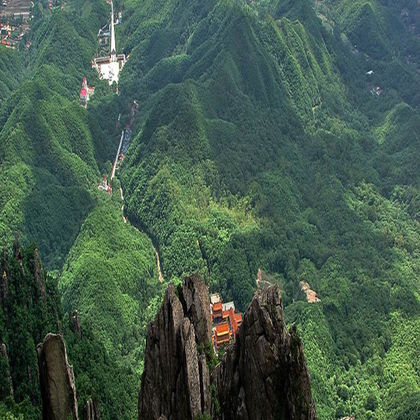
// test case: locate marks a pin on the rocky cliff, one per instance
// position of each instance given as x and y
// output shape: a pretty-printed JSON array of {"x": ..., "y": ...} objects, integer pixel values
[
  {"x": 176, "y": 381},
  {"x": 262, "y": 376},
  {"x": 57, "y": 380}
]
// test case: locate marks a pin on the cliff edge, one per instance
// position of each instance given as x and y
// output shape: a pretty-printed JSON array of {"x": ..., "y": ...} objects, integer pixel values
[
  {"x": 176, "y": 381},
  {"x": 263, "y": 375},
  {"x": 57, "y": 380}
]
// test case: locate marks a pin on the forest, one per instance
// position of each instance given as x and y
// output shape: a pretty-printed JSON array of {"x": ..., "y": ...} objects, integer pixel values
[{"x": 261, "y": 142}]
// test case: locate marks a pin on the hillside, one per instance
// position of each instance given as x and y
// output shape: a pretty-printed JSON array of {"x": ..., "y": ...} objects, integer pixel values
[
  {"x": 49, "y": 147},
  {"x": 275, "y": 137},
  {"x": 263, "y": 147}
]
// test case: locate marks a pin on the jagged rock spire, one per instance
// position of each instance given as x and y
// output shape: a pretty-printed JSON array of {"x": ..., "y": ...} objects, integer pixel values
[
  {"x": 58, "y": 389},
  {"x": 263, "y": 375},
  {"x": 176, "y": 381}
]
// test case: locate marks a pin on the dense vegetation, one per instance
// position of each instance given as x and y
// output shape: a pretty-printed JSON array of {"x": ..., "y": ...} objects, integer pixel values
[
  {"x": 48, "y": 143},
  {"x": 30, "y": 308},
  {"x": 11, "y": 72},
  {"x": 260, "y": 142},
  {"x": 110, "y": 278},
  {"x": 52, "y": 153},
  {"x": 263, "y": 147}
]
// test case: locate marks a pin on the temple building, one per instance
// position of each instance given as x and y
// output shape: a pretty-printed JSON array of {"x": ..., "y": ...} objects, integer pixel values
[{"x": 224, "y": 319}]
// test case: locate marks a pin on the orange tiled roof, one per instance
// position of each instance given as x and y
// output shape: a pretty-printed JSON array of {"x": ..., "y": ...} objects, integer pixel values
[
  {"x": 238, "y": 318},
  {"x": 222, "y": 329},
  {"x": 222, "y": 340},
  {"x": 217, "y": 307}
]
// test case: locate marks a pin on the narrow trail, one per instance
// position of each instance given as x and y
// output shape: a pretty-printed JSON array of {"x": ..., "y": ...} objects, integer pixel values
[
  {"x": 125, "y": 138},
  {"x": 117, "y": 156},
  {"x": 160, "y": 276},
  {"x": 122, "y": 206}
]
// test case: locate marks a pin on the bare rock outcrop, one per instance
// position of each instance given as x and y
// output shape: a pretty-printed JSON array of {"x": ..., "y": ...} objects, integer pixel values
[
  {"x": 263, "y": 374},
  {"x": 57, "y": 380},
  {"x": 176, "y": 380}
]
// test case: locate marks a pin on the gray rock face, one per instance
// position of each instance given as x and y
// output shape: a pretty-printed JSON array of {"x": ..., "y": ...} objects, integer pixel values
[
  {"x": 174, "y": 380},
  {"x": 57, "y": 380},
  {"x": 264, "y": 374},
  {"x": 195, "y": 299}
]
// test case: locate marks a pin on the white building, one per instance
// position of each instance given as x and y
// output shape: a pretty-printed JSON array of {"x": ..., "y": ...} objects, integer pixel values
[{"x": 109, "y": 67}]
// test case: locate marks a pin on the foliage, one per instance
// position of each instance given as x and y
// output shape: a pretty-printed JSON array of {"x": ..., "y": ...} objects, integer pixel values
[
  {"x": 261, "y": 145},
  {"x": 257, "y": 144},
  {"x": 30, "y": 308},
  {"x": 110, "y": 278},
  {"x": 11, "y": 72},
  {"x": 47, "y": 149}
]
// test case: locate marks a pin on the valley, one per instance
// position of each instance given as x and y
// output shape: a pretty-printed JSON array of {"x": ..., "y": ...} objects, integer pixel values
[{"x": 240, "y": 141}]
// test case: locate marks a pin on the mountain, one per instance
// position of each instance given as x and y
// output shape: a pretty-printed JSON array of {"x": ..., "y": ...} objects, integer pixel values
[
  {"x": 49, "y": 151},
  {"x": 275, "y": 142}
]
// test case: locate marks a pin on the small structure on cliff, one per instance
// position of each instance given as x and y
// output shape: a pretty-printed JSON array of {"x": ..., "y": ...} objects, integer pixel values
[
  {"x": 85, "y": 92},
  {"x": 224, "y": 319},
  {"x": 311, "y": 295},
  {"x": 105, "y": 186},
  {"x": 263, "y": 374}
]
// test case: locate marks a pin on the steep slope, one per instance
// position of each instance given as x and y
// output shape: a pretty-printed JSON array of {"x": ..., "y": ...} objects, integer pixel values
[
  {"x": 52, "y": 154},
  {"x": 29, "y": 309},
  {"x": 47, "y": 150},
  {"x": 257, "y": 127},
  {"x": 109, "y": 278},
  {"x": 264, "y": 374},
  {"x": 11, "y": 72},
  {"x": 106, "y": 381},
  {"x": 386, "y": 34},
  {"x": 176, "y": 381},
  {"x": 261, "y": 144},
  {"x": 57, "y": 380}
]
